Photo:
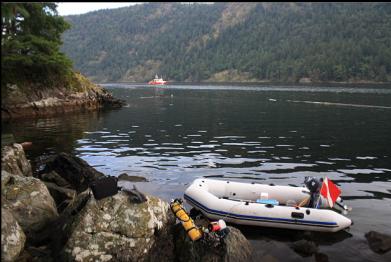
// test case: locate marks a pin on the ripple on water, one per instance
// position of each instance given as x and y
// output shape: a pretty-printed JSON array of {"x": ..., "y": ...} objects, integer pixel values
[
  {"x": 92, "y": 149},
  {"x": 339, "y": 159},
  {"x": 256, "y": 151},
  {"x": 83, "y": 141},
  {"x": 361, "y": 171},
  {"x": 103, "y": 153},
  {"x": 209, "y": 146},
  {"x": 172, "y": 144},
  {"x": 236, "y": 161},
  {"x": 121, "y": 150},
  {"x": 325, "y": 162},
  {"x": 366, "y": 157},
  {"x": 97, "y": 132},
  {"x": 270, "y": 166},
  {"x": 228, "y": 137},
  {"x": 168, "y": 148},
  {"x": 238, "y": 144}
]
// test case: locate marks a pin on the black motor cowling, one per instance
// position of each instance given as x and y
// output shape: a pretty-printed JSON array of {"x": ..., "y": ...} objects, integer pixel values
[{"x": 313, "y": 184}]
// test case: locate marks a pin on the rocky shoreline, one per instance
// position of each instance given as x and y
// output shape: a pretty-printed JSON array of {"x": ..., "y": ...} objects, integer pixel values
[
  {"x": 36, "y": 101},
  {"x": 53, "y": 216}
]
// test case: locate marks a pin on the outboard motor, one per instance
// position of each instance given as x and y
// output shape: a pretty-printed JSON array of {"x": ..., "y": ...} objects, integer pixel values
[{"x": 314, "y": 185}]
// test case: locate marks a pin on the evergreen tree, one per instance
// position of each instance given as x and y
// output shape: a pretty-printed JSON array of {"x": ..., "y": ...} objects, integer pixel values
[{"x": 30, "y": 44}]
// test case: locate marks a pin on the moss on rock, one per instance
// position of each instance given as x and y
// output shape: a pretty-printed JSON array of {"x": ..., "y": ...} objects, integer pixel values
[{"x": 116, "y": 229}]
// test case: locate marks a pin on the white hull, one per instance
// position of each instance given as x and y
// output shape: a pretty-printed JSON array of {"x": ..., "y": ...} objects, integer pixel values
[{"x": 235, "y": 203}]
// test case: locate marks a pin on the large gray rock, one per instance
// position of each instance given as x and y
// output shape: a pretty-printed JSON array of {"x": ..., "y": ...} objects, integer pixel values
[
  {"x": 129, "y": 178},
  {"x": 116, "y": 229},
  {"x": 29, "y": 201},
  {"x": 234, "y": 247},
  {"x": 12, "y": 236},
  {"x": 14, "y": 160},
  {"x": 378, "y": 242},
  {"x": 305, "y": 247}
]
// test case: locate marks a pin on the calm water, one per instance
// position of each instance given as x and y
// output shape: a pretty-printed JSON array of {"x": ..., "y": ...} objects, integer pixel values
[{"x": 278, "y": 135}]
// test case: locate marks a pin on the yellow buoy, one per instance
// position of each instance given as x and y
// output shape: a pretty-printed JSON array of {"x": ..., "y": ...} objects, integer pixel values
[{"x": 192, "y": 230}]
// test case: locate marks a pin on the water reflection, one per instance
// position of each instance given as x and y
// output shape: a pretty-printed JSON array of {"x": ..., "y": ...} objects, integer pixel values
[
  {"x": 53, "y": 135},
  {"x": 322, "y": 238}
]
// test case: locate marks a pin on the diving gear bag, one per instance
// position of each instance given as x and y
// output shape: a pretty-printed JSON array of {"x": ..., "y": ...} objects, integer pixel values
[{"x": 104, "y": 187}]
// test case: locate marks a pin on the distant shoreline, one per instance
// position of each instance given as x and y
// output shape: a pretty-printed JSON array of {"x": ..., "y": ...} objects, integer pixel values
[{"x": 313, "y": 84}]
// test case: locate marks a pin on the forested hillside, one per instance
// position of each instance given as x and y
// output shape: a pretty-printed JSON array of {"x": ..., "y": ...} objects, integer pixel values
[{"x": 234, "y": 42}]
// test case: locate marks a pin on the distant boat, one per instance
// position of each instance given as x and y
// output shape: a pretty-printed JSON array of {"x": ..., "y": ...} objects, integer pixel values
[{"x": 157, "y": 81}]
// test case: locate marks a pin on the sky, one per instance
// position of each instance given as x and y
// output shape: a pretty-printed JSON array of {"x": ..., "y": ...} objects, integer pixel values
[{"x": 77, "y": 8}]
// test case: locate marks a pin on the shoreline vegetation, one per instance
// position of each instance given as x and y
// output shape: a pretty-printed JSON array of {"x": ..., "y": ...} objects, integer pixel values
[{"x": 36, "y": 78}]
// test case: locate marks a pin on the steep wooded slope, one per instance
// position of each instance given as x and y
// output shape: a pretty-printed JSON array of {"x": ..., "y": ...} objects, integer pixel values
[{"x": 234, "y": 42}]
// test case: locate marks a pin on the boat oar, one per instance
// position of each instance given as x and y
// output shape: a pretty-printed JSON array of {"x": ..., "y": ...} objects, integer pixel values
[{"x": 304, "y": 201}]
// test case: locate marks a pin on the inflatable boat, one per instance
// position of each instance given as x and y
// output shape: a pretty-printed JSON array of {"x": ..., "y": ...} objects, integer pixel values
[{"x": 263, "y": 205}]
